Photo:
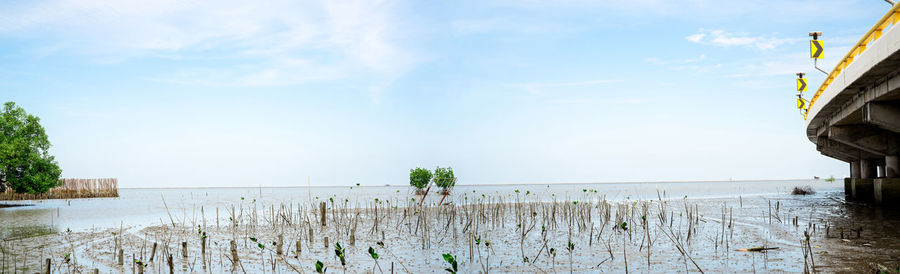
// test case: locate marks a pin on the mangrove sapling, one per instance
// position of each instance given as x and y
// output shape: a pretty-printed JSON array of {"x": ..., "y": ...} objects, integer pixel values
[
  {"x": 452, "y": 261},
  {"x": 624, "y": 226},
  {"x": 339, "y": 252},
  {"x": 320, "y": 267},
  {"x": 552, "y": 254},
  {"x": 374, "y": 256},
  {"x": 419, "y": 178},
  {"x": 443, "y": 178}
]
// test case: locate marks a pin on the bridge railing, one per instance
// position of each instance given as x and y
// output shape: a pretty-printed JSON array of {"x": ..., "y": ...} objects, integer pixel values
[{"x": 887, "y": 21}]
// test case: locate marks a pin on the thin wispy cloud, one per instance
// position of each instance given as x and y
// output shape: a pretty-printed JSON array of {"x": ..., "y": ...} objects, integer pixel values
[
  {"x": 508, "y": 25},
  {"x": 276, "y": 43},
  {"x": 728, "y": 39},
  {"x": 362, "y": 90}
]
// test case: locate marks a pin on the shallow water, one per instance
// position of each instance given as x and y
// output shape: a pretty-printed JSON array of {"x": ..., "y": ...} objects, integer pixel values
[
  {"x": 762, "y": 213},
  {"x": 144, "y": 207}
]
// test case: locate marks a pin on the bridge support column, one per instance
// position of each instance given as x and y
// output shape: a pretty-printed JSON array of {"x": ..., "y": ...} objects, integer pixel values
[
  {"x": 891, "y": 166},
  {"x": 854, "y": 169},
  {"x": 886, "y": 191},
  {"x": 867, "y": 169},
  {"x": 862, "y": 189}
]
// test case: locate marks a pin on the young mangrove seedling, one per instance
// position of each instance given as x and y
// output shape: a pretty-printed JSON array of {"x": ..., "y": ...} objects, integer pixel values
[
  {"x": 320, "y": 267},
  {"x": 374, "y": 256},
  {"x": 339, "y": 252},
  {"x": 553, "y": 256},
  {"x": 452, "y": 261},
  {"x": 258, "y": 244}
]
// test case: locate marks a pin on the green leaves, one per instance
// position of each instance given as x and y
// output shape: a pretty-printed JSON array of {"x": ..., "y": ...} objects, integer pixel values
[
  {"x": 320, "y": 267},
  {"x": 373, "y": 253},
  {"x": 26, "y": 165},
  {"x": 339, "y": 252},
  {"x": 452, "y": 261},
  {"x": 419, "y": 177},
  {"x": 443, "y": 177},
  {"x": 624, "y": 225},
  {"x": 258, "y": 244}
]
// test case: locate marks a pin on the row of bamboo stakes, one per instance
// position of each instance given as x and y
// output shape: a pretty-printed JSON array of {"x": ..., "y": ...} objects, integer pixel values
[{"x": 71, "y": 188}]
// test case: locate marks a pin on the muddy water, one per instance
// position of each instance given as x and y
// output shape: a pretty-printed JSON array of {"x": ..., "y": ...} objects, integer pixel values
[{"x": 754, "y": 213}]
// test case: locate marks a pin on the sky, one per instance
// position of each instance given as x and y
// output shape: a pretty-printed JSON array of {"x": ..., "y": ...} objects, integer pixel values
[{"x": 190, "y": 93}]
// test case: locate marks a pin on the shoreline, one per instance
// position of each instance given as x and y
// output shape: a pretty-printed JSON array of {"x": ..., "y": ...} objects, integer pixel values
[{"x": 500, "y": 184}]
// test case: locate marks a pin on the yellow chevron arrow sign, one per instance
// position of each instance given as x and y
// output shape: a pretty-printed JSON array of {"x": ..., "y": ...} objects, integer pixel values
[
  {"x": 816, "y": 49},
  {"x": 801, "y": 84}
]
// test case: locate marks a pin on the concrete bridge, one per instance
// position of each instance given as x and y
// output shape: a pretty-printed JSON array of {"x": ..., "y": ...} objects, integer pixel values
[{"x": 854, "y": 116}]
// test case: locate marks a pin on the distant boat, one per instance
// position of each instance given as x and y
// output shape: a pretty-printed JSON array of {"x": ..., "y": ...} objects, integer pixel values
[{"x": 815, "y": 177}]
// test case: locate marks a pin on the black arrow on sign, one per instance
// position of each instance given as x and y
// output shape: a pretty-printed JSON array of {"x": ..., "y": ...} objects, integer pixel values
[
  {"x": 818, "y": 49},
  {"x": 802, "y": 84}
]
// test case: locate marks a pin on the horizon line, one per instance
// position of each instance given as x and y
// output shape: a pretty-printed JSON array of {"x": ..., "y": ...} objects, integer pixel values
[{"x": 495, "y": 184}]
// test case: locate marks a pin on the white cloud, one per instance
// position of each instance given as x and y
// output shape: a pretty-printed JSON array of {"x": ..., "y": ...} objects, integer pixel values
[
  {"x": 271, "y": 43},
  {"x": 696, "y": 38},
  {"x": 727, "y": 39},
  {"x": 508, "y": 25}
]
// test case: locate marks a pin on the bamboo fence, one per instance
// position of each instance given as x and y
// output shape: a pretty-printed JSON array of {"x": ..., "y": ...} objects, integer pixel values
[{"x": 71, "y": 188}]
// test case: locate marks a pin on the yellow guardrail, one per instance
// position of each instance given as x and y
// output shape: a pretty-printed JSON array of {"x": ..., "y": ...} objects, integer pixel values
[{"x": 888, "y": 20}]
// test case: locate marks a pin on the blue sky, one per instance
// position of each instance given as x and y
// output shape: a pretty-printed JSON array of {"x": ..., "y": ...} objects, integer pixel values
[{"x": 237, "y": 93}]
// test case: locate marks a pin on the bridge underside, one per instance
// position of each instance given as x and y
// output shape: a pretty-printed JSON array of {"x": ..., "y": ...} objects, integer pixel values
[
  {"x": 857, "y": 117},
  {"x": 864, "y": 129}
]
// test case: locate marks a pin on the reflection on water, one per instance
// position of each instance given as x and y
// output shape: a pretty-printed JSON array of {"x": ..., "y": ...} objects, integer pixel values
[{"x": 861, "y": 236}]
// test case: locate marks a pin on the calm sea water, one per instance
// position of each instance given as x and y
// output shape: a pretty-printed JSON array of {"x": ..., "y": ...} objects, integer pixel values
[{"x": 144, "y": 207}]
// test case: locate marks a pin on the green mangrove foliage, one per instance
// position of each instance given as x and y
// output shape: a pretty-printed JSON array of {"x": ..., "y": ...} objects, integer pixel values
[
  {"x": 419, "y": 177},
  {"x": 443, "y": 177},
  {"x": 451, "y": 260},
  {"x": 26, "y": 165},
  {"x": 320, "y": 267}
]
